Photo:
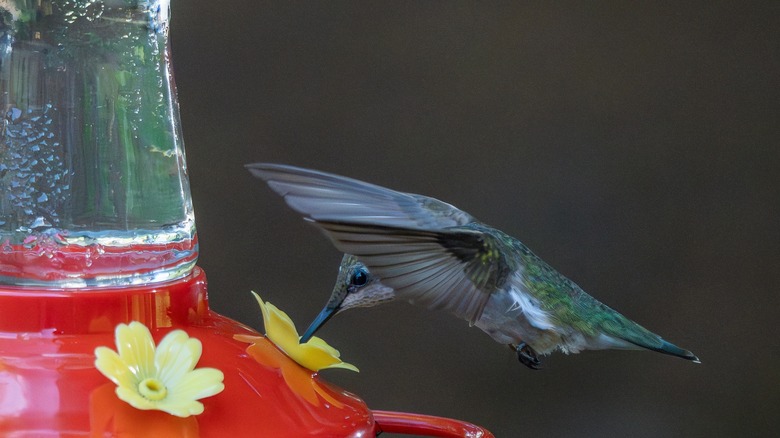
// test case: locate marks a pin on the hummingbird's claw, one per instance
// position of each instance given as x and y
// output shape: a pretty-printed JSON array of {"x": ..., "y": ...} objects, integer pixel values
[{"x": 527, "y": 356}]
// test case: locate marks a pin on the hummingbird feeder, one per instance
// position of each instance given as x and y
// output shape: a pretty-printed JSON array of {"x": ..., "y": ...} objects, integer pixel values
[{"x": 105, "y": 327}]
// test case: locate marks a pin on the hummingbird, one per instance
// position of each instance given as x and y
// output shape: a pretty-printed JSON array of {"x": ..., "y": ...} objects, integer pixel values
[{"x": 425, "y": 251}]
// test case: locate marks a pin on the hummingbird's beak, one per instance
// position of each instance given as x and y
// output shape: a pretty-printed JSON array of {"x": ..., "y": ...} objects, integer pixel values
[{"x": 326, "y": 314}]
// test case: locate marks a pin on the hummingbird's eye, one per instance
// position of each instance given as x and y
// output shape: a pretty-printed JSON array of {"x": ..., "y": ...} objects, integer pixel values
[{"x": 359, "y": 277}]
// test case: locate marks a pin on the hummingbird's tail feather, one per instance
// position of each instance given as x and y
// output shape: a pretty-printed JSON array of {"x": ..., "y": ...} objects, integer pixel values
[
  {"x": 669, "y": 348},
  {"x": 641, "y": 337}
]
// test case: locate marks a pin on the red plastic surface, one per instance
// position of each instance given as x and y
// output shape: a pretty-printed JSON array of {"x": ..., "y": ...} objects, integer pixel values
[
  {"x": 427, "y": 425},
  {"x": 50, "y": 387}
]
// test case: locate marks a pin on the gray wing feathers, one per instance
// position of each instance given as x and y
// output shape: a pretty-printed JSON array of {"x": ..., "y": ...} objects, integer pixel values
[
  {"x": 324, "y": 197},
  {"x": 415, "y": 264},
  {"x": 407, "y": 240}
]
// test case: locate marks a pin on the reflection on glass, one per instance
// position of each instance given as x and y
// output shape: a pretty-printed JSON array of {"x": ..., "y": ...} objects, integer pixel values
[{"x": 93, "y": 183}]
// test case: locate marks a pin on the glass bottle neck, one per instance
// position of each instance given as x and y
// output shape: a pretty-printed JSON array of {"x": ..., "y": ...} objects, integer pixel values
[{"x": 92, "y": 165}]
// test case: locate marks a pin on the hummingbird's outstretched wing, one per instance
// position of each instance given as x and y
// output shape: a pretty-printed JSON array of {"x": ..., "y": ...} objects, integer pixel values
[
  {"x": 324, "y": 197},
  {"x": 419, "y": 246}
]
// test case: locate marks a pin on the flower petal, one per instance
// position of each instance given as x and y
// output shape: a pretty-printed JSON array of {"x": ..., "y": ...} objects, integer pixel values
[
  {"x": 171, "y": 364},
  {"x": 108, "y": 362},
  {"x": 278, "y": 326},
  {"x": 197, "y": 384},
  {"x": 315, "y": 358},
  {"x": 132, "y": 397},
  {"x": 343, "y": 365},
  {"x": 300, "y": 382},
  {"x": 315, "y": 355},
  {"x": 135, "y": 346},
  {"x": 176, "y": 355},
  {"x": 320, "y": 343},
  {"x": 181, "y": 408},
  {"x": 263, "y": 351}
]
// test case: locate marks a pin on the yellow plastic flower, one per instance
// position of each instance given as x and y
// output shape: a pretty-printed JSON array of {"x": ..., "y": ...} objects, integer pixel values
[
  {"x": 315, "y": 354},
  {"x": 164, "y": 378},
  {"x": 299, "y": 379}
]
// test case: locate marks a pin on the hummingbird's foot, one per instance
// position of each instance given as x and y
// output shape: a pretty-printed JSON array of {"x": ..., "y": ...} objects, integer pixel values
[{"x": 527, "y": 356}]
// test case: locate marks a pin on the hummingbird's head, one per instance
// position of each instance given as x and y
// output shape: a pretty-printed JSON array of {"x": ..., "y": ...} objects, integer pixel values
[{"x": 355, "y": 287}]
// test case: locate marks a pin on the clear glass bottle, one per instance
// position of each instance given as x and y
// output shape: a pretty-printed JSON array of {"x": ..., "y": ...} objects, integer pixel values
[{"x": 93, "y": 183}]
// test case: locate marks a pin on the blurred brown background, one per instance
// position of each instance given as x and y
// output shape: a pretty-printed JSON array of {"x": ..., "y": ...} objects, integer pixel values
[{"x": 634, "y": 146}]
